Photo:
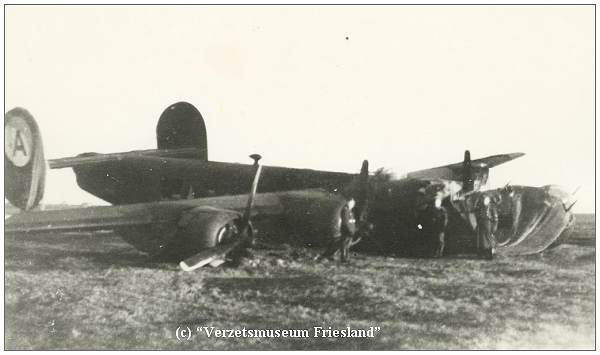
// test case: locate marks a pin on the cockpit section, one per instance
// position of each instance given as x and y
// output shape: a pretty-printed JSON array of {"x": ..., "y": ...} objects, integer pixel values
[{"x": 530, "y": 219}]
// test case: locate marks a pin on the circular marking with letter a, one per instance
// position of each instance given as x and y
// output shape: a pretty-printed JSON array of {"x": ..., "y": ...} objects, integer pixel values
[{"x": 18, "y": 141}]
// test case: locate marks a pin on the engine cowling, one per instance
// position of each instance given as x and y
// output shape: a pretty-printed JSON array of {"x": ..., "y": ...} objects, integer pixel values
[
  {"x": 204, "y": 227},
  {"x": 315, "y": 218}
]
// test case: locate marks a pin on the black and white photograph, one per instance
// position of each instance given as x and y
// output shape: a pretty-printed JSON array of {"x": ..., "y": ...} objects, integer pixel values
[{"x": 299, "y": 177}]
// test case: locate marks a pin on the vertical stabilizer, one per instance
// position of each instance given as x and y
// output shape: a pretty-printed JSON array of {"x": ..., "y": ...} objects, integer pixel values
[
  {"x": 24, "y": 165},
  {"x": 181, "y": 126}
]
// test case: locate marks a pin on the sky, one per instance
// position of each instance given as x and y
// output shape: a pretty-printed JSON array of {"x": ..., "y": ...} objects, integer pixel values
[{"x": 322, "y": 87}]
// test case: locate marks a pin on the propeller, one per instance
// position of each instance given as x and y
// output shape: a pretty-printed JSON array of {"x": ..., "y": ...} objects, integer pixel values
[
  {"x": 209, "y": 256},
  {"x": 361, "y": 209},
  {"x": 468, "y": 184},
  {"x": 244, "y": 237},
  {"x": 245, "y": 223},
  {"x": 362, "y": 198}
]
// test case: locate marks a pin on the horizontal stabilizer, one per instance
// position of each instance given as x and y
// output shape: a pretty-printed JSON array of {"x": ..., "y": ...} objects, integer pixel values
[{"x": 94, "y": 158}]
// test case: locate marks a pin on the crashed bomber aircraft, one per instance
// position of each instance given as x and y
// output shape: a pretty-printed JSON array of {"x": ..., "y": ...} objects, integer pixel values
[{"x": 174, "y": 201}]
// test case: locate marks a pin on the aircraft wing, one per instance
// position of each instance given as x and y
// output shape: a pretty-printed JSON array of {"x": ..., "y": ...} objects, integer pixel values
[
  {"x": 140, "y": 214},
  {"x": 177, "y": 161},
  {"x": 455, "y": 171},
  {"x": 134, "y": 177},
  {"x": 289, "y": 203},
  {"x": 186, "y": 225},
  {"x": 91, "y": 218}
]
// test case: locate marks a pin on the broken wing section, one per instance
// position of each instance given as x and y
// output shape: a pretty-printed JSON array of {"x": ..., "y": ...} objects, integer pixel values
[{"x": 531, "y": 219}]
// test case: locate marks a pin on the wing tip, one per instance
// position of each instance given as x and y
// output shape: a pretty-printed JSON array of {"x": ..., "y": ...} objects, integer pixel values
[{"x": 503, "y": 158}]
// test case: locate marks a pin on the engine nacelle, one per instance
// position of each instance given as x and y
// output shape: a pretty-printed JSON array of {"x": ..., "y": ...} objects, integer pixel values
[
  {"x": 203, "y": 227},
  {"x": 317, "y": 219}
]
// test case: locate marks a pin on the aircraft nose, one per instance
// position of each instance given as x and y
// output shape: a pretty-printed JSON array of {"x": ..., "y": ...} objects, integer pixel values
[{"x": 560, "y": 193}]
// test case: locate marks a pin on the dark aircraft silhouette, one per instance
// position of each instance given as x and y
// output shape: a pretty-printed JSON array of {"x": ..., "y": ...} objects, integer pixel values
[{"x": 174, "y": 201}]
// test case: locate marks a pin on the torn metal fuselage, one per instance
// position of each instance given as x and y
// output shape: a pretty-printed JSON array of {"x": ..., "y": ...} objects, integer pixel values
[{"x": 531, "y": 219}]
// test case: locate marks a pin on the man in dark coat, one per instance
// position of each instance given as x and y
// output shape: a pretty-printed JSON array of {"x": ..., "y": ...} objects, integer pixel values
[
  {"x": 347, "y": 238},
  {"x": 432, "y": 222},
  {"x": 352, "y": 230},
  {"x": 439, "y": 221},
  {"x": 487, "y": 223}
]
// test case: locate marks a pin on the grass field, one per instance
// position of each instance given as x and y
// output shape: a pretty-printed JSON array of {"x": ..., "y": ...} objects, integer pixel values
[{"x": 93, "y": 291}]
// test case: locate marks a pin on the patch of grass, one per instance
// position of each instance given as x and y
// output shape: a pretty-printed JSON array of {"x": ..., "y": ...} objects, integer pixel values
[{"x": 93, "y": 291}]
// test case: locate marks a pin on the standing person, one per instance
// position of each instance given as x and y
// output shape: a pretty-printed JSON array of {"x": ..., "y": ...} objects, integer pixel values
[
  {"x": 487, "y": 223},
  {"x": 516, "y": 207},
  {"x": 439, "y": 221},
  {"x": 345, "y": 240},
  {"x": 431, "y": 225}
]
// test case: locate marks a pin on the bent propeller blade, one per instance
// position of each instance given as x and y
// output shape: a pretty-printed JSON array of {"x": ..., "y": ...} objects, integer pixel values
[
  {"x": 213, "y": 255},
  {"x": 208, "y": 256},
  {"x": 363, "y": 194},
  {"x": 258, "y": 167}
]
